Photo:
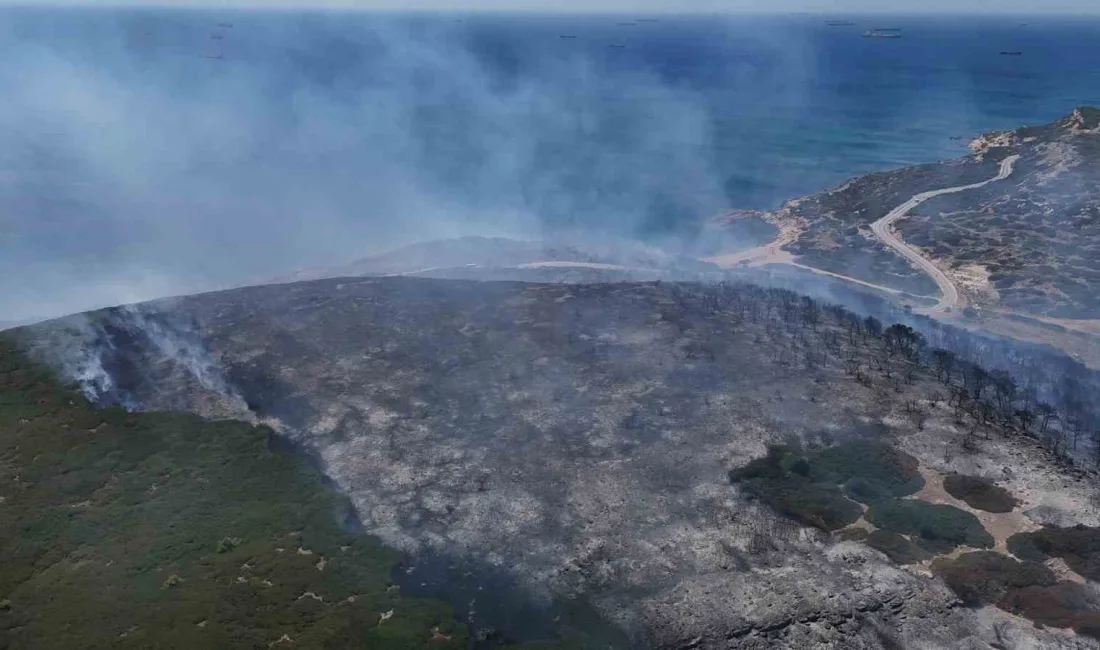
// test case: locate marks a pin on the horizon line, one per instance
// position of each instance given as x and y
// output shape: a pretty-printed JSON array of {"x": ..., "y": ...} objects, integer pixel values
[{"x": 355, "y": 6}]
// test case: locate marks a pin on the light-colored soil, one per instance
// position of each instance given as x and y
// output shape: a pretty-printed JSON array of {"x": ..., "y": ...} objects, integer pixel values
[{"x": 1001, "y": 525}]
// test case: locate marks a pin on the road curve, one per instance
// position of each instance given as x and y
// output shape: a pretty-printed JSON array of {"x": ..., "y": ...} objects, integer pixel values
[{"x": 949, "y": 295}]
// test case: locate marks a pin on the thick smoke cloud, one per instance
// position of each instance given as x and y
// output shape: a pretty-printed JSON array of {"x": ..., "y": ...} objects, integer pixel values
[{"x": 135, "y": 167}]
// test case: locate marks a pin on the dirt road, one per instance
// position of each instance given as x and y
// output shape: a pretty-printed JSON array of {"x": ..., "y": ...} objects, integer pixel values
[{"x": 949, "y": 294}]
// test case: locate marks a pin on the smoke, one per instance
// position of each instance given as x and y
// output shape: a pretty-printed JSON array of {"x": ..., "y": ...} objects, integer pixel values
[
  {"x": 119, "y": 356},
  {"x": 136, "y": 168}
]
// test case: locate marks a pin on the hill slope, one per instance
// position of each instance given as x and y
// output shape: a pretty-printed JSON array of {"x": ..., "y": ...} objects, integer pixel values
[
  {"x": 1028, "y": 243},
  {"x": 540, "y": 448},
  {"x": 162, "y": 530}
]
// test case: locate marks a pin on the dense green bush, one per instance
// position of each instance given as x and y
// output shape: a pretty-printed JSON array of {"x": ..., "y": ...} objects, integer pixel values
[
  {"x": 940, "y": 527},
  {"x": 1027, "y": 588},
  {"x": 1078, "y": 546},
  {"x": 984, "y": 577},
  {"x": 897, "y": 547},
  {"x": 872, "y": 470},
  {"x": 979, "y": 493},
  {"x": 781, "y": 480},
  {"x": 820, "y": 488},
  {"x": 164, "y": 530},
  {"x": 1065, "y": 604}
]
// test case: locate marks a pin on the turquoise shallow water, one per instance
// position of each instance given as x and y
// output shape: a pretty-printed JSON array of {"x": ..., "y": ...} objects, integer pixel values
[{"x": 155, "y": 144}]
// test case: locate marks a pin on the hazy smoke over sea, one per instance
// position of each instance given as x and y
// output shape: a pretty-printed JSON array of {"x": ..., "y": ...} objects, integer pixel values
[
  {"x": 144, "y": 156},
  {"x": 150, "y": 152}
]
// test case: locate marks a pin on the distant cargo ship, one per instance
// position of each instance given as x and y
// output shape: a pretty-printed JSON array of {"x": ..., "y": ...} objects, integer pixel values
[
  {"x": 882, "y": 33},
  {"x": 1011, "y": 53},
  {"x": 839, "y": 23}
]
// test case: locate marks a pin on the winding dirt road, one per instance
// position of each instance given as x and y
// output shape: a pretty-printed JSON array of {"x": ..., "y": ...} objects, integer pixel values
[{"x": 949, "y": 294}]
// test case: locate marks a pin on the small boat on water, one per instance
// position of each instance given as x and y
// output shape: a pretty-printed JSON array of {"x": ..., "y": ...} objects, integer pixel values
[
  {"x": 881, "y": 33},
  {"x": 839, "y": 23},
  {"x": 1011, "y": 53},
  {"x": 564, "y": 36}
]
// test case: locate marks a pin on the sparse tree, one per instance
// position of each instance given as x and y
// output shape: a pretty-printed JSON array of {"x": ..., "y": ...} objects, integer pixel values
[
  {"x": 945, "y": 363},
  {"x": 1046, "y": 414}
]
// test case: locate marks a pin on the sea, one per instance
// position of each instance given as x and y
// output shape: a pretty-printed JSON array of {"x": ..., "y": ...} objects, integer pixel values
[{"x": 150, "y": 151}]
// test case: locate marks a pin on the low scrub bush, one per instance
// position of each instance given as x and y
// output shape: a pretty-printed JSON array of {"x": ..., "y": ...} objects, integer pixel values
[
  {"x": 940, "y": 528},
  {"x": 821, "y": 488},
  {"x": 1065, "y": 605},
  {"x": 897, "y": 547},
  {"x": 782, "y": 480},
  {"x": 979, "y": 493},
  {"x": 872, "y": 470},
  {"x": 984, "y": 577},
  {"x": 1078, "y": 546}
]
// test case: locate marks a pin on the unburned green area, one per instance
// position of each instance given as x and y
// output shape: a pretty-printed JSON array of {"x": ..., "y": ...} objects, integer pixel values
[
  {"x": 1078, "y": 546},
  {"x": 821, "y": 488},
  {"x": 1026, "y": 588},
  {"x": 979, "y": 493},
  {"x": 984, "y": 577},
  {"x": 897, "y": 547},
  {"x": 162, "y": 530},
  {"x": 940, "y": 528}
]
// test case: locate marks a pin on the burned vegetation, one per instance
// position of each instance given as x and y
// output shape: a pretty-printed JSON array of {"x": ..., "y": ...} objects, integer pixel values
[{"x": 601, "y": 425}]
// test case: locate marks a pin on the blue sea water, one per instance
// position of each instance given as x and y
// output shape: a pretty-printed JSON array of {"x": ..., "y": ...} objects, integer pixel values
[{"x": 158, "y": 144}]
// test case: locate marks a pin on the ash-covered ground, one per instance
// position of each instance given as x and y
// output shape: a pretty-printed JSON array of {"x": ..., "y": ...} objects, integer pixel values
[{"x": 576, "y": 440}]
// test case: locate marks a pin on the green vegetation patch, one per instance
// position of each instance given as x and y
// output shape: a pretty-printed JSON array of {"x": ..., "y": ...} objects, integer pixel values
[
  {"x": 854, "y": 534},
  {"x": 940, "y": 528},
  {"x": 984, "y": 577},
  {"x": 1078, "y": 546},
  {"x": 897, "y": 547},
  {"x": 1065, "y": 604},
  {"x": 781, "y": 480},
  {"x": 979, "y": 493},
  {"x": 163, "y": 530},
  {"x": 1026, "y": 588},
  {"x": 871, "y": 470},
  {"x": 820, "y": 488}
]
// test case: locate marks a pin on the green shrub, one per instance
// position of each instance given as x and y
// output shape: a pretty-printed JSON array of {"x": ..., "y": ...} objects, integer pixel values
[
  {"x": 979, "y": 493},
  {"x": 780, "y": 479},
  {"x": 856, "y": 534},
  {"x": 820, "y": 505},
  {"x": 1078, "y": 546},
  {"x": 1064, "y": 604},
  {"x": 940, "y": 527},
  {"x": 112, "y": 539},
  {"x": 872, "y": 469},
  {"x": 227, "y": 544},
  {"x": 984, "y": 577},
  {"x": 806, "y": 486},
  {"x": 897, "y": 547}
]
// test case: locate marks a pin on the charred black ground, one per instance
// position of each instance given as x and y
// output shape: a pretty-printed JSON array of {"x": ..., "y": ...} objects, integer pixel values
[{"x": 599, "y": 426}]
